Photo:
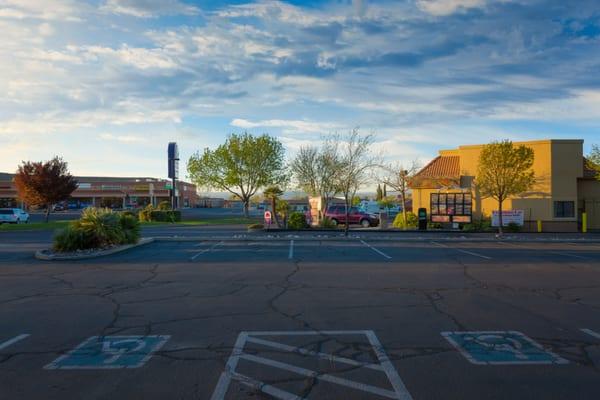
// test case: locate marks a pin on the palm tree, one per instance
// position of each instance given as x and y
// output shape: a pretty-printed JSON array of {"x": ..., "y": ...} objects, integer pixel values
[{"x": 273, "y": 193}]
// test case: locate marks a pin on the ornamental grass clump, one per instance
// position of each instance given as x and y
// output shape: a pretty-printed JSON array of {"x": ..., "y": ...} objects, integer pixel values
[{"x": 98, "y": 228}]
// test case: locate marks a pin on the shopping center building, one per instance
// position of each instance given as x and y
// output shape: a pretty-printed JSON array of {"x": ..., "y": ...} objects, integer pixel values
[
  {"x": 113, "y": 192},
  {"x": 566, "y": 188}
]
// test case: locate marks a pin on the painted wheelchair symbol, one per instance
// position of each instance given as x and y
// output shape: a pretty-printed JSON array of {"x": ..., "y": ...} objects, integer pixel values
[
  {"x": 501, "y": 348},
  {"x": 104, "y": 352},
  {"x": 114, "y": 350}
]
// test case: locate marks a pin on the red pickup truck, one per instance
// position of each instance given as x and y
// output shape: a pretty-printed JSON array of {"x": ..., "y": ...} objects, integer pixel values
[{"x": 337, "y": 215}]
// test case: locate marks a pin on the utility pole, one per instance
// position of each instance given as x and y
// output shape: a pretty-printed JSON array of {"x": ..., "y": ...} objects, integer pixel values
[{"x": 173, "y": 153}]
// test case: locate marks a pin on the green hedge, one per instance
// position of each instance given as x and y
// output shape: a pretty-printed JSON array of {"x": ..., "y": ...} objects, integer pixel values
[
  {"x": 97, "y": 228},
  {"x": 297, "y": 221},
  {"x": 153, "y": 215}
]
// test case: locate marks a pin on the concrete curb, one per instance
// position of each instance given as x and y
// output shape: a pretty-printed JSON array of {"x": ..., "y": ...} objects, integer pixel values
[
  {"x": 372, "y": 239},
  {"x": 40, "y": 255}
]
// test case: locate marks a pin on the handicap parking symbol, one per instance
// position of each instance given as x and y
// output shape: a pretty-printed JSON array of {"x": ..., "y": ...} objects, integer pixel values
[
  {"x": 109, "y": 352},
  {"x": 501, "y": 348}
]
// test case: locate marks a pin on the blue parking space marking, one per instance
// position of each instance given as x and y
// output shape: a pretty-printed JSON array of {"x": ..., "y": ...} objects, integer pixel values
[
  {"x": 501, "y": 348},
  {"x": 110, "y": 352}
]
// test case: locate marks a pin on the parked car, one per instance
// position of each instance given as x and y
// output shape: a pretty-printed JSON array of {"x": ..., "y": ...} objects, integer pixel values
[
  {"x": 59, "y": 207},
  {"x": 337, "y": 215},
  {"x": 13, "y": 216}
]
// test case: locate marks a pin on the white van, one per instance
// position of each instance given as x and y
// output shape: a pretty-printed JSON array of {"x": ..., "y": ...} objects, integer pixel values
[{"x": 13, "y": 216}]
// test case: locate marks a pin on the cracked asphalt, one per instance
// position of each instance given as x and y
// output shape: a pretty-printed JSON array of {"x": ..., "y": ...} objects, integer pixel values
[{"x": 204, "y": 293}]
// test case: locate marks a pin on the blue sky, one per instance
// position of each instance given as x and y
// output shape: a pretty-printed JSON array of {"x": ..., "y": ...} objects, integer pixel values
[{"x": 107, "y": 83}]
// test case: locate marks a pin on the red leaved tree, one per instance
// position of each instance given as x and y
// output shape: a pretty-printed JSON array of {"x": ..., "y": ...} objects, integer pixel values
[{"x": 44, "y": 183}]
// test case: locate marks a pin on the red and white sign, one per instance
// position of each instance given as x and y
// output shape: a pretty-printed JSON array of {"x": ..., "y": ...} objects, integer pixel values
[
  {"x": 268, "y": 217},
  {"x": 508, "y": 216}
]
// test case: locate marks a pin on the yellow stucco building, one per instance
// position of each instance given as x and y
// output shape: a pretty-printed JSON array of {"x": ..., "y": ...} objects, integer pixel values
[{"x": 565, "y": 188}]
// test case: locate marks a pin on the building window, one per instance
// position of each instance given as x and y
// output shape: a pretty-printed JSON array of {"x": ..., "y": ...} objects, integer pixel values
[
  {"x": 451, "y": 204},
  {"x": 564, "y": 209}
]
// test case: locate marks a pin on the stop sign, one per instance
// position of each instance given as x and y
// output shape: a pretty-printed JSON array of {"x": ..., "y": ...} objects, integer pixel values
[{"x": 268, "y": 217}]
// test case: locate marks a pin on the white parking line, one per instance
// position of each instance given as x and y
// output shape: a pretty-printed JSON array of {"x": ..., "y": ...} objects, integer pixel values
[
  {"x": 382, "y": 364},
  {"x": 13, "y": 340},
  {"x": 375, "y": 250},
  {"x": 304, "y": 352},
  {"x": 474, "y": 254},
  {"x": 206, "y": 250},
  {"x": 462, "y": 251},
  {"x": 291, "y": 253},
  {"x": 591, "y": 333},
  {"x": 569, "y": 255},
  {"x": 323, "y": 377}
]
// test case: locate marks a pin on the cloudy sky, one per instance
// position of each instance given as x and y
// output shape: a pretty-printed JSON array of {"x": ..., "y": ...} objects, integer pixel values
[{"x": 107, "y": 83}]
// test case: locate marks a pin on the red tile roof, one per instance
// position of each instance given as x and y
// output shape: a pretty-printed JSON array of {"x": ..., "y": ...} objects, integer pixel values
[{"x": 441, "y": 167}]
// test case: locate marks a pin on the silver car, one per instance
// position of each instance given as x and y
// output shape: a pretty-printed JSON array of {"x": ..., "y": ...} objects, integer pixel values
[{"x": 13, "y": 216}]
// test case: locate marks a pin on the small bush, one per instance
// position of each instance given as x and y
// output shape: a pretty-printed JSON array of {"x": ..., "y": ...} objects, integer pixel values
[
  {"x": 297, "y": 221},
  {"x": 411, "y": 221},
  {"x": 152, "y": 214},
  {"x": 481, "y": 225},
  {"x": 513, "y": 227},
  {"x": 327, "y": 223},
  {"x": 71, "y": 239},
  {"x": 130, "y": 213},
  {"x": 98, "y": 228},
  {"x": 256, "y": 226},
  {"x": 434, "y": 225},
  {"x": 164, "y": 206}
]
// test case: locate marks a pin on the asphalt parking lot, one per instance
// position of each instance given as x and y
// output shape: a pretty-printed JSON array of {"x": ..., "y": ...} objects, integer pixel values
[{"x": 294, "y": 318}]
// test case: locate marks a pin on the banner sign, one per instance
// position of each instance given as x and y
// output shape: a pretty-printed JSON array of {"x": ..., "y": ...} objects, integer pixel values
[{"x": 508, "y": 216}]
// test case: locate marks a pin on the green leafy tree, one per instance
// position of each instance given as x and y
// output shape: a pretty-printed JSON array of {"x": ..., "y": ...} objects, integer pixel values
[
  {"x": 504, "y": 171},
  {"x": 593, "y": 160},
  {"x": 241, "y": 166},
  {"x": 43, "y": 184}
]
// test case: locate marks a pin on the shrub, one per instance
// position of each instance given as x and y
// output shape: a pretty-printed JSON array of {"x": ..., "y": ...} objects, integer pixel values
[
  {"x": 130, "y": 213},
  {"x": 164, "y": 206},
  {"x": 256, "y": 226},
  {"x": 130, "y": 227},
  {"x": 71, "y": 239},
  {"x": 434, "y": 225},
  {"x": 98, "y": 228},
  {"x": 152, "y": 214},
  {"x": 411, "y": 221},
  {"x": 297, "y": 221},
  {"x": 480, "y": 225},
  {"x": 513, "y": 227}
]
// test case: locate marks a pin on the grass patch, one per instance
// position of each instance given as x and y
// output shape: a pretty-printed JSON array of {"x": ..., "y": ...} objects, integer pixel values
[{"x": 34, "y": 226}]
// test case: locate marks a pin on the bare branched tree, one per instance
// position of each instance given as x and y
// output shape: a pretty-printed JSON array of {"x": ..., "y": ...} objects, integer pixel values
[
  {"x": 357, "y": 163},
  {"x": 315, "y": 170},
  {"x": 398, "y": 176}
]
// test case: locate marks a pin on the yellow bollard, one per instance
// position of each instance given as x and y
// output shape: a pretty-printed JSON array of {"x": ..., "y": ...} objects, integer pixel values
[
  {"x": 539, "y": 221},
  {"x": 584, "y": 222}
]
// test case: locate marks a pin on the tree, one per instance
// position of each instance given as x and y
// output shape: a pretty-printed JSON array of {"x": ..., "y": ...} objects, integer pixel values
[
  {"x": 44, "y": 183},
  {"x": 593, "y": 160},
  {"x": 241, "y": 166},
  {"x": 273, "y": 193},
  {"x": 398, "y": 177},
  {"x": 379, "y": 193},
  {"x": 356, "y": 163},
  {"x": 315, "y": 169},
  {"x": 504, "y": 171}
]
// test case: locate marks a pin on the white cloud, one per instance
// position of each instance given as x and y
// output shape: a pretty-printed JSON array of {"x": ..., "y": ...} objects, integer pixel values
[
  {"x": 68, "y": 10},
  {"x": 46, "y": 29},
  {"x": 138, "y": 57},
  {"x": 122, "y": 138},
  {"x": 288, "y": 126},
  {"x": 446, "y": 7},
  {"x": 148, "y": 8}
]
